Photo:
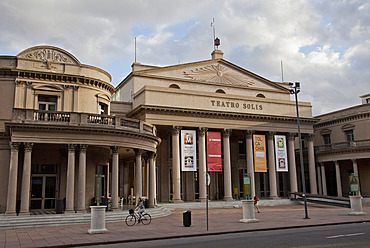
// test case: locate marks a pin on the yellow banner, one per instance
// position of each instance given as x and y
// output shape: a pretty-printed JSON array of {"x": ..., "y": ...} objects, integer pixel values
[{"x": 259, "y": 142}]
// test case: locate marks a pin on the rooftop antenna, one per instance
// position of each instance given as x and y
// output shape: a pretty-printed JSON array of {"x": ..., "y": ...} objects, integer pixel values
[
  {"x": 214, "y": 32},
  {"x": 135, "y": 49},
  {"x": 282, "y": 72}
]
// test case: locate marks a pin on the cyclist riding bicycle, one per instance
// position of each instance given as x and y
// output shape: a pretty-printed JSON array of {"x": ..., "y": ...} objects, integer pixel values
[{"x": 140, "y": 208}]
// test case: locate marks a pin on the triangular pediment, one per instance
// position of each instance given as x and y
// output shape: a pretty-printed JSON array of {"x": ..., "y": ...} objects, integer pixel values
[{"x": 220, "y": 72}]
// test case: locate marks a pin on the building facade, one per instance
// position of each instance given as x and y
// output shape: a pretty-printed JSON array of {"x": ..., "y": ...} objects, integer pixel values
[
  {"x": 59, "y": 142},
  {"x": 217, "y": 96},
  {"x": 342, "y": 142}
]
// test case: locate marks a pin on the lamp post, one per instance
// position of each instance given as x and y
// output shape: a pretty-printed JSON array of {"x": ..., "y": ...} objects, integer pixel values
[{"x": 295, "y": 89}]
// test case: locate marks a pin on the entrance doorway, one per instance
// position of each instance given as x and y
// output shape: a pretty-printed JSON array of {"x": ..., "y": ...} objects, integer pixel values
[{"x": 43, "y": 186}]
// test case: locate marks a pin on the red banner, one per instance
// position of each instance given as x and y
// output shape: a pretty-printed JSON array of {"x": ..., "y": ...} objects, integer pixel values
[{"x": 214, "y": 159}]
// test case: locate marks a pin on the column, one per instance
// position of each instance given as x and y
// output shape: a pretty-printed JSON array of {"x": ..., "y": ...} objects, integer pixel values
[
  {"x": 70, "y": 179},
  {"x": 12, "y": 181},
  {"x": 26, "y": 179},
  {"x": 176, "y": 165},
  {"x": 355, "y": 171},
  {"x": 319, "y": 181},
  {"x": 202, "y": 164},
  {"x": 227, "y": 166},
  {"x": 339, "y": 182},
  {"x": 81, "y": 200},
  {"x": 138, "y": 175},
  {"x": 272, "y": 168},
  {"x": 250, "y": 167},
  {"x": 115, "y": 176},
  {"x": 323, "y": 178},
  {"x": 292, "y": 165},
  {"x": 152, "y": 180},
  {"x": 126, "y": 185},
  {"x": 311, "y": 164}
]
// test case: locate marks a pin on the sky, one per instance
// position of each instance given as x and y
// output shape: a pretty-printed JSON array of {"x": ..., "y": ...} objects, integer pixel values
[{"x": 323, "y": 44}]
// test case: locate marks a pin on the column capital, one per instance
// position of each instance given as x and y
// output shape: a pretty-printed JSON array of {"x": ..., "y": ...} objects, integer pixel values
[
  {"x": 72, "y": 147},
  {"x": 202, "y": 131},
  {"x": 291, "y": 136},
  {"x": 152, "y": 155},
  {"x": 354, "y": 161},
  {"x": 249, "y": 134},
  {"x": 28, "y": 146},
  {"x": 227, "y": 132},
  {"x": 270, "y": 135},
  {"x": 310, "y": 137},
  {"x": 115, "y": 149},
  {"x": 83, "y": 147},
  {"x": 138, "y": 152},
  {"x": 176, "y": 130},
  {"x": 14, "y": 146}
]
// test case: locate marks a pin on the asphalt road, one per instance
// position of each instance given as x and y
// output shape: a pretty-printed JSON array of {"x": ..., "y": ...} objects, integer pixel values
[{"x": 346, "y": 235}]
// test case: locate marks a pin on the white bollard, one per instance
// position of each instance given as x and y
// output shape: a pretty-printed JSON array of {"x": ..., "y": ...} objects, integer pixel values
[
  {"x": 356, "y": 205},
  {"x": 97, "y": 220},
  {"x": 248, "y": 212}
]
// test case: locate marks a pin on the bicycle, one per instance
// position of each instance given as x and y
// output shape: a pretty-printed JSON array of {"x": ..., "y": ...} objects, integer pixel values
[{"x": 134, "y": 217}]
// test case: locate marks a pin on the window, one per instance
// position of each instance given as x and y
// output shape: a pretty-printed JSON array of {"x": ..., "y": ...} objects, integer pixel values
[
  {"x": 326, "y": 138},
  {"x": 349, "y": 135},
  {"x": 220, "y": 91},
  {"x": 174, "y": 86},
  {"x": 103, "y": 109},
  {"x": 242, "y": 148},
  {"x": 261, "y": 95},
  {"x": 47, "y": 102}
]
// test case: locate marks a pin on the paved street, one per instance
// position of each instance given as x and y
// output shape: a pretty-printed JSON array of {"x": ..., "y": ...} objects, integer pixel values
[{"x": 220, "y": 221}]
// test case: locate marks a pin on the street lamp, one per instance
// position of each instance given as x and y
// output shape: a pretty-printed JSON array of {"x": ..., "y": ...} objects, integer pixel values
[{"x": 295, "y": 89}]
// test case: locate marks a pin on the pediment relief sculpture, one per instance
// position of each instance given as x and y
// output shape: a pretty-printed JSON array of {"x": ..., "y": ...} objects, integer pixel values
[
  {"x": 49, "y": 56},
  {"x": 219, "y": 74}
]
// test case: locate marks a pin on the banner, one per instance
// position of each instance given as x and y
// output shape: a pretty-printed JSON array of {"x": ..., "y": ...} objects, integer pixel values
[
  {"x": 259, "y": 142},
  {"x": 214, "y": 159},
  {"x": 281, "y": 159},
  {"x": 188, "y": 150}
]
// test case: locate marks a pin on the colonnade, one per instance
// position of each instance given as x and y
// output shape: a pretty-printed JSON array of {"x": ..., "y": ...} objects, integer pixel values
[
  {"x": 249, "y": 163},
  {"x": 70, "y": 179}
]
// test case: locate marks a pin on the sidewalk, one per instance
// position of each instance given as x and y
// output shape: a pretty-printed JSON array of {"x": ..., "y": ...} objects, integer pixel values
[{"x": 220, "y": 221}]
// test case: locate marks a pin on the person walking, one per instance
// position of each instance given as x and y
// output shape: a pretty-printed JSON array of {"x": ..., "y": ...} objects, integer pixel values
[{"x": 255, "y": 203}]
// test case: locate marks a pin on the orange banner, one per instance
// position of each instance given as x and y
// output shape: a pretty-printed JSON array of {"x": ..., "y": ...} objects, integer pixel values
[{"x": 259, "y": 142}]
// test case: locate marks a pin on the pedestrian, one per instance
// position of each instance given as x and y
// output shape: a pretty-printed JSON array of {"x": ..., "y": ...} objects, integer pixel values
[
  {"x": 140, "y": 207},
  {"x": 255, "y": 203}
]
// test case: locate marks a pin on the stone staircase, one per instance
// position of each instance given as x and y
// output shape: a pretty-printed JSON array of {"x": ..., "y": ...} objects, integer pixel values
[{"x": 12, "y": 222}]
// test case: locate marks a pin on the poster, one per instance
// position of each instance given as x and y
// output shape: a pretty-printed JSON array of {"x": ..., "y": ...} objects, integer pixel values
[
  {"x": 259, "y": 142},
  {"x": 281, "y": 159},
  {"x": 214, "y": 159},
  {"x": 188, "y": 150}
]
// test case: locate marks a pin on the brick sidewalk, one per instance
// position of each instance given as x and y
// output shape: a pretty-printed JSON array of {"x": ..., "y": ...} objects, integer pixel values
[{"x": 220, "y": 221}]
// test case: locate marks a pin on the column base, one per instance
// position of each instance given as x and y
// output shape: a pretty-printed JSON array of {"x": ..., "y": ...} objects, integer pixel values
[
  {"x": 81, "y": 211},
  {"x": 273, "y": 197},
  {"x": 249, "y": 220},
  {"x": 69, "y": 211},
  {"x": 11, "y": 213},
  {"x": 177, "y": 201},
  {"x": 96, "y": 231},
  {"x": 202, "y": 199},
  {"x": 357, "y": 213},
  {"x": 24, "y": 213},
  {"x": 228, "y": 198}
]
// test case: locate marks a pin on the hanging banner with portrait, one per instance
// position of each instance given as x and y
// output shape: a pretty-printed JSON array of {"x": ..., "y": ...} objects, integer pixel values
[
  {"x": 188, "y": 150},
  {"x": 259, "y": 145},
  {"x": 214, "y": 156},
  {"x": 281, "y": 159}
]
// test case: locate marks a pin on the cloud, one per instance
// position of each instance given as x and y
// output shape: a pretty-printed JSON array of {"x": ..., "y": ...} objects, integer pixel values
[{"x": 323, "y": 44}]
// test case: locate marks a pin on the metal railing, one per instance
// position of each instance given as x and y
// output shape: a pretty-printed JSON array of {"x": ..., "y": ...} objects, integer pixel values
[{"x": 344, "y": 146}]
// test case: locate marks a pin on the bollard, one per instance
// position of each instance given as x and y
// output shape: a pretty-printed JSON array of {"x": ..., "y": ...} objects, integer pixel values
[
  {"x": 97, "y": 220},
  {"x": 356, "y": 205},
  {"x": 248, "y": 212}
]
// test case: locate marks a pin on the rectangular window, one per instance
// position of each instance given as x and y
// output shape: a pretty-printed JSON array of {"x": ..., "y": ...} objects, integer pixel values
[
  {"x": 326, "y": 138},
  {"x": 241, "y": 144},
  {"x": 47, "y": 102},
  {"x": 103, "y": 109},
  {"x": 349, "y": 135}
]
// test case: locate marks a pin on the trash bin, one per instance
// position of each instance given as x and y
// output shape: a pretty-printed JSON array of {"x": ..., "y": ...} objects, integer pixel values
[
  {"x": 186, "y": 218},
  {"x": 146, "y": 203},
  {"x": 59, "y": 208}
]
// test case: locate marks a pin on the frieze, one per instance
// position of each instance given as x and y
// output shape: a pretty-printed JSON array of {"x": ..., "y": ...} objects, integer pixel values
[
  {"x": 219, "y": 74},
  {"x": 236, "y": 105},
  {"x": 49, "y": 56}
]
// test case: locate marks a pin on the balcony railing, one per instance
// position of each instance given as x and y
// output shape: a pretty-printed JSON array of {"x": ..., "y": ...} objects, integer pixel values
[
  {"x": 80, "y": 119},
  {"x": 343, "y": 146}
]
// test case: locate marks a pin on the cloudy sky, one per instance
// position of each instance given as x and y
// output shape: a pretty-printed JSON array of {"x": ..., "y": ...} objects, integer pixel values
[{"x": 323, "y": 44}]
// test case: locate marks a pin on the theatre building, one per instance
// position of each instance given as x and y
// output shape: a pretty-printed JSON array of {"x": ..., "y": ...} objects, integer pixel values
[{"x": 214, "y": 114}]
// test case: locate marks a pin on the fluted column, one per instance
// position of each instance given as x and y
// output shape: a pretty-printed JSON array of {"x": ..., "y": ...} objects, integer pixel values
[
  {"x": 311, "y": 164},
  {"x": 323, "y": 178},
  {"x": 138, "y": 175},
  {"x": 272, "y": 168},
  {"x": 70, "y": 179},
  {"x": 115, "y": 176},
  {"x": 152, "y": 180},
  {"x": 250, "y": 167},
  {"x": 26, "y": 179},
  {"x": 12, "y": 180},
  {"x": 292, "y": 164},
  {"x": 176, "y": 180},
  {"x": 81, "y": 199},
  {"x": 202, "y": 164},
  {"x": 339, "y": 181},
  {"x": 227, "y": 166}
]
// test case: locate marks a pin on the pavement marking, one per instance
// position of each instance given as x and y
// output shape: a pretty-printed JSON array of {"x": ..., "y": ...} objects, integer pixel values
[{"x": 345, "y": 235}]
